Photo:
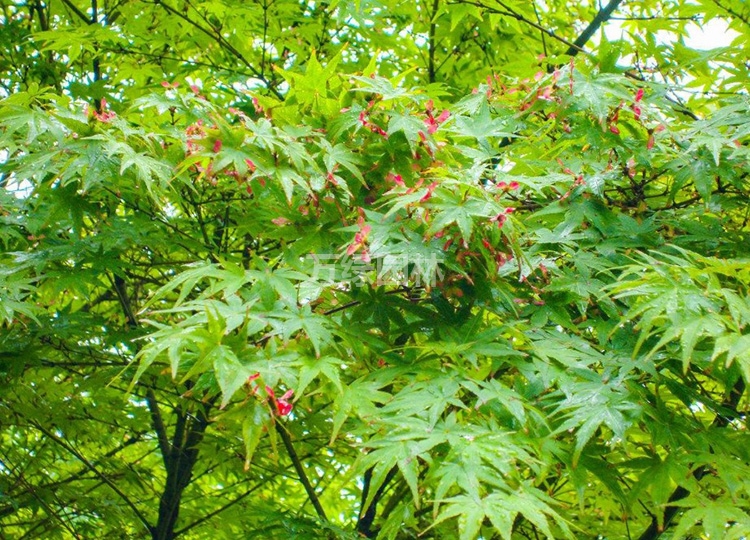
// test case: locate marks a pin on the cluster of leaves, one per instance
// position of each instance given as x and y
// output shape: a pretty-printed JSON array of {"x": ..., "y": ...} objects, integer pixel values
[{"x": 356, "y": 305}]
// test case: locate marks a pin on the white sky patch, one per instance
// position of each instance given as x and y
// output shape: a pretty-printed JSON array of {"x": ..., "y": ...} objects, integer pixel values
[{"x": 715, "y": 33}]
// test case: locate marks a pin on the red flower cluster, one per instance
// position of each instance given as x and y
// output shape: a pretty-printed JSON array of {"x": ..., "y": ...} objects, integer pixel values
[
  {"x": 103, "y": 115},
  {"x": 280, "y": 406},
  {"x": 428, "y": 195},
  {"x": 613, "y": 122}
]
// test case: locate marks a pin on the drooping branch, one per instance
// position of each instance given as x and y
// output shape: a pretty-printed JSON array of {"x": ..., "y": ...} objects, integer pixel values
[
  {"x": 52, "y": 515},
  {"x": 223, "y": 43},
  {"x": 654, "y": 530},
  {"x": 218, "y": 511},
  {"x": 733, "y": 13},
  {"x": 90, "y": 466},
  {"x": 11, "y": 508}
]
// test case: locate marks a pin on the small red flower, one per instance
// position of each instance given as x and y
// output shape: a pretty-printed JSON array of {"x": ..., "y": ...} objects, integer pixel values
[
  {"x": 280, "y": 221},
  {"x": 395, "y": 178},
  {"x": 502, "y": 217},
  {"x": 639, "y": 95},
  {"x": 430, "y": 190},
  {"x": 432, "y": 126},
  {"x": 282, "y": 404},
  {"x": 570, "y": 80},
  {"x": 433, "y": 123},
  {"x": 360, "y": 237}
]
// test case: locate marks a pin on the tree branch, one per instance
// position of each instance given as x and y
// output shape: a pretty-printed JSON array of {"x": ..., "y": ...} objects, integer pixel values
[
  {"x": 80, "y": 14},
  {"x": 603, "y": 16},
  {"x": 183, "y": 455},
  {"x": 287, "y": 440},
  {"x": 509, "y": 12},
  {"x": 367, "y": 515},
  {"x": 32, "y": 490},
  {"x": 431, "y": 43},
  {"x": 158, "y": 423}
]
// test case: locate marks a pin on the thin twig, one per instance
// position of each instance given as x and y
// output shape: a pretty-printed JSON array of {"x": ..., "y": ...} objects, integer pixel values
[
  {"x": 96, "y": 471},
  {"x": 511, "y": 13}
]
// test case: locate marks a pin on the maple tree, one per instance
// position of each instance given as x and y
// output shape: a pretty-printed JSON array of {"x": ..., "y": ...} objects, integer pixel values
[{"x": 373, "y": 269}]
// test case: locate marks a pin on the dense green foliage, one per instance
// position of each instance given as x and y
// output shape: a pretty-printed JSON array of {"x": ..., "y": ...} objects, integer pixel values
[{"x": 281, "y": 269}]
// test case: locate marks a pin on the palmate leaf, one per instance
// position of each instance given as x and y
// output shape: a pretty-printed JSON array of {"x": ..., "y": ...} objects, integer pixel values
[
  {"x": 255, "y": 425},
  {"x": 387, "y": 89},
  {"x": 339, "y": 154},
  {"x": 312, "y": 368},
  {"x": 589, "y": 405},
  {"x": 737, "y": 348},
  {"x": 360, "y": 398},
  {"x": 316, "y": 327},
  {"x": 482, "y": 125},
  {"x": 230, "y": 373},
  {"x": 501, "y": 509},
  {"x": 717, "y": 518},
  {"x": 451, "y": 207},
  {"x": 493, "y": 390},
  {"x": 666, "y": 294}
]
